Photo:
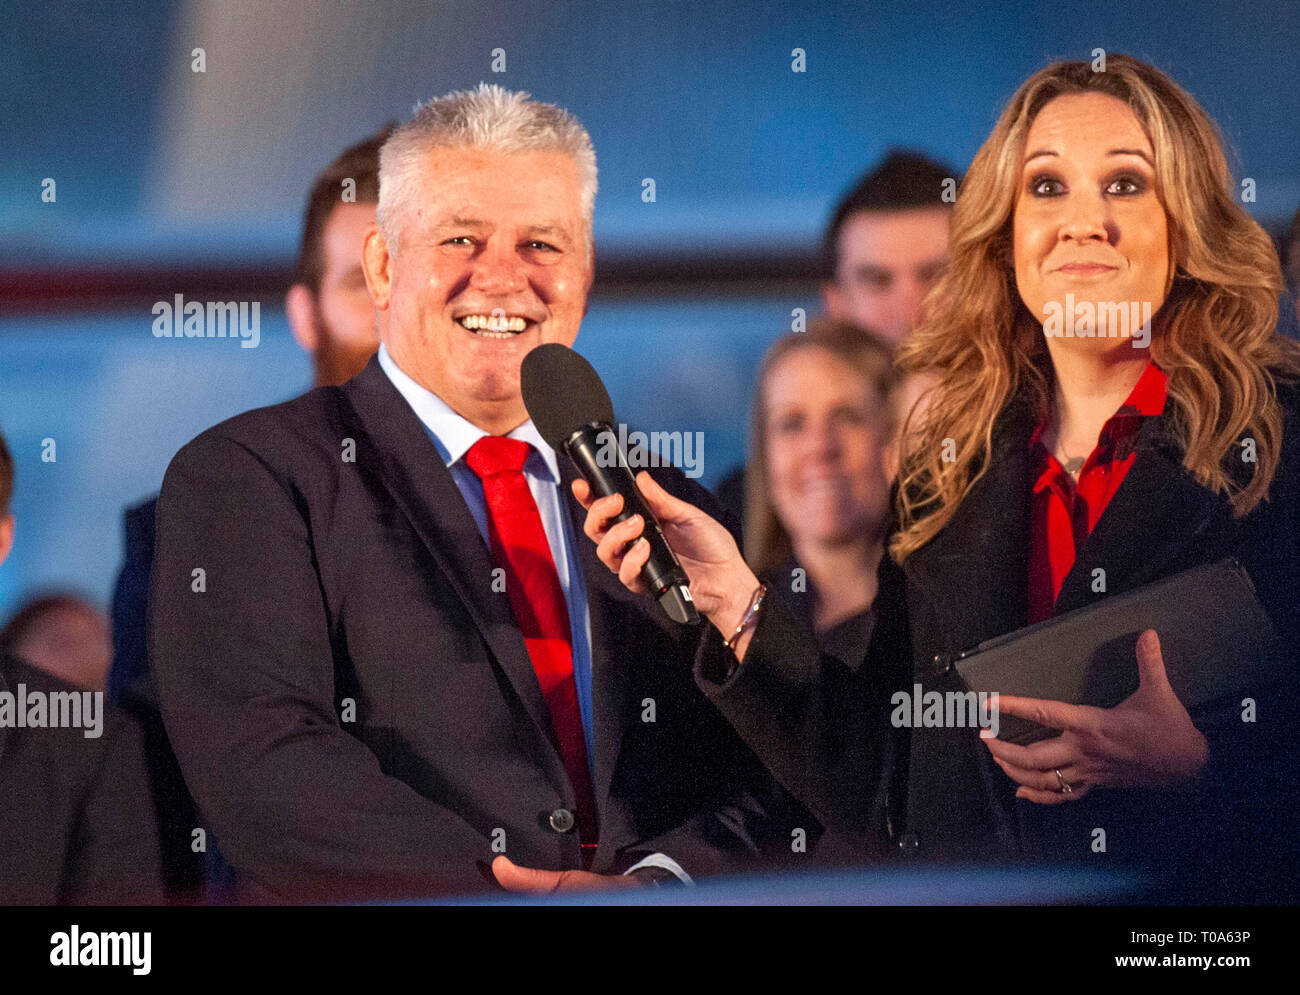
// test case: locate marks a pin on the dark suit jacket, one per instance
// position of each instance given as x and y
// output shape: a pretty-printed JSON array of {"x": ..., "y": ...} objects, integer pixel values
[
  {"x": 76, "y": 819},
  {"x": 353, "y": 705},
  {"x": 970, "y": 583}
]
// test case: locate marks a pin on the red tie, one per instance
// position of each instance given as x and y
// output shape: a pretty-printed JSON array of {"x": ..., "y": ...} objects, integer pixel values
[{"x": 519, "y": 546}]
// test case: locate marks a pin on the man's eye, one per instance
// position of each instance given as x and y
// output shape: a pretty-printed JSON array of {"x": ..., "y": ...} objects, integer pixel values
[
  {"x": 459, "y": 240},
  {"x": 541, "y": 246},
  {"x": 931, "y": 274},
  {"x": 850, "y": 416},
  {"x": 1045, "y": 186},
  {"x": 874, "y": 279},
  {"x": 789, "y": 424}
]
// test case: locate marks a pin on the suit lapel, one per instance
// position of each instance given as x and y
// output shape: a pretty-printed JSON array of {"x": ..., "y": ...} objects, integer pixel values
[{"x": 395, "y": 443}]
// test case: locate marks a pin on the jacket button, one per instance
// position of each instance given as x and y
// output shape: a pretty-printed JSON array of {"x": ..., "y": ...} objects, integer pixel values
[
  {"x": 908, "y": 844},
  {"x": 561, "y": 820}
]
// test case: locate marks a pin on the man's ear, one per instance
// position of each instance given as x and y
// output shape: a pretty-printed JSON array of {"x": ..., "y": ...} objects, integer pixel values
[
  {"x": 376, "y": 264},
  {"x": 6, "y": 536},
  {"x": 300, "y": 309}
]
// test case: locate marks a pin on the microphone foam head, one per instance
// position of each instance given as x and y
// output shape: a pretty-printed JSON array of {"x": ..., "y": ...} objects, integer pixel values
[{"x": 562, "y": 393}]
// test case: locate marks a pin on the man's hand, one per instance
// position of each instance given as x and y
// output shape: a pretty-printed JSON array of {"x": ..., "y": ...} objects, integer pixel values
[
  {"x": 1147, "y": 740},
  {"x": 531, "y": 881},
  {"x": 721, "y": 582}
]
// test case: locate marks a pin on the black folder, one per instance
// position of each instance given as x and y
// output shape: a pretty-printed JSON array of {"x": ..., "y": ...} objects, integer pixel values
[{"x": 1217, "y": 642}]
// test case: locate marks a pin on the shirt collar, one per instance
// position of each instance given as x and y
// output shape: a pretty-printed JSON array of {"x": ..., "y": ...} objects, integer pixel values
[
  {"x": 1145, "y": 400},
  {"x": 1148, "y": 395},
  {"x": 454, "y": 434}
]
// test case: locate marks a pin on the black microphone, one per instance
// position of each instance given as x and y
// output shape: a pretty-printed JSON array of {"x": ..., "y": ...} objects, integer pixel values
[{"x": 571, "y": 409}]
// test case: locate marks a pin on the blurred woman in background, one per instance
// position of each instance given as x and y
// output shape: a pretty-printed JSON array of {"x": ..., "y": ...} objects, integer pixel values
[{"x": 818, "y": 484}]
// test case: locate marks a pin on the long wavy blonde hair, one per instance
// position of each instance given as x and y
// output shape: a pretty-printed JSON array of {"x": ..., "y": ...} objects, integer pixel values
[{"x": 1214, "y": 336}]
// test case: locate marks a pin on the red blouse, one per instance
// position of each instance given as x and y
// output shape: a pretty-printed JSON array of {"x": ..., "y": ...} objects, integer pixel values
[{"x": 1063, "y": 513}]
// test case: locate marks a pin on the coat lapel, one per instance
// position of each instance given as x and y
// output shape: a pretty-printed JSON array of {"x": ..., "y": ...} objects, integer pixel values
[
  {"x": 395, "y": 443},
  {"x": 980, "y": 559},
  {"x": 978, "y": 565},
  {"x": 1155, "y": 515}
]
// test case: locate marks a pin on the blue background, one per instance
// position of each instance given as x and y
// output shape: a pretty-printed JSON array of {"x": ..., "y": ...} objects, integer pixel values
[{"x": 157, "y": 164}]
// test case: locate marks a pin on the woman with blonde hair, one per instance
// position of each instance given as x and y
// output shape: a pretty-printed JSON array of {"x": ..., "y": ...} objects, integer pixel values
[
  {"x": 1114, "y": 406},
  {"x": 817, "y": 486}
]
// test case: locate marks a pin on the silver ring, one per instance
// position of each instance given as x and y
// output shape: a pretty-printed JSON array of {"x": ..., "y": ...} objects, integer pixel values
[{"x": 1065, "y": 788}]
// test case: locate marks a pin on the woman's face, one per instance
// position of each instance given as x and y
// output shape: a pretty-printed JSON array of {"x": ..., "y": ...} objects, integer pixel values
[
  {"x": 824, "y": 429},
  {"x": 1091, "y": 241}
]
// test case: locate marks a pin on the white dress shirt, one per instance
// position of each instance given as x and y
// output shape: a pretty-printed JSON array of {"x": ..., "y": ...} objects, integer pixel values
[{"x": 453, "y": 436}]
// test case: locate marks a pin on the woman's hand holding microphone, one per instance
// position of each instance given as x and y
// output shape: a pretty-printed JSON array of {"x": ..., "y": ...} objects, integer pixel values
[{"x": 722, "y": 584}]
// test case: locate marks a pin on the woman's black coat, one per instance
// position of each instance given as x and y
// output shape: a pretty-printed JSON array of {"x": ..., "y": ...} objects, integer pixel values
[{"x": 823, "y": 727}]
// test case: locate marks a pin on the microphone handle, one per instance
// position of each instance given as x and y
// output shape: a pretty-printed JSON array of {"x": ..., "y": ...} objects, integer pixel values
[{"x": 600, "y": 460}]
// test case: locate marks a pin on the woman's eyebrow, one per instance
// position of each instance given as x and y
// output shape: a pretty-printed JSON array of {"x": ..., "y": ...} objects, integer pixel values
[{"x": 1141, "y": 154}]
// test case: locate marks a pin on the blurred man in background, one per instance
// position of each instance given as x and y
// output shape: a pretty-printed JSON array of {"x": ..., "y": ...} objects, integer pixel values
[
  {"x": 885, "y": 246},
  {"x": 331, "y": 317},
  {"x": 76, "y": 824},
  {"x": 328, "y": 308}
]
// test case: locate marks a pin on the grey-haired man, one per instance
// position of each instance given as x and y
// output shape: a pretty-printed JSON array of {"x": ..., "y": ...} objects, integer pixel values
[{"x": 386, "y": 659}]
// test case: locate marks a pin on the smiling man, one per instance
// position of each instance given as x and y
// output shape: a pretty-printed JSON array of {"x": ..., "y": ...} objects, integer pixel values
[
  {"x": 387, "y": 663},
  {"x": 479, "y": 256}
]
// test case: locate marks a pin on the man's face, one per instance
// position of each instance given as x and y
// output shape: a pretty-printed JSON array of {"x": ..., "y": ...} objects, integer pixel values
[
  {"x": 346, "y": 336},
  {"x": 492, "y": 261},
  {"x": 887, "y": 263}
]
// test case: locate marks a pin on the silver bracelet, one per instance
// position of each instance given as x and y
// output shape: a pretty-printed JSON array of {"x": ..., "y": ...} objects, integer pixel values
[{"x": 755, "y": 603}]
